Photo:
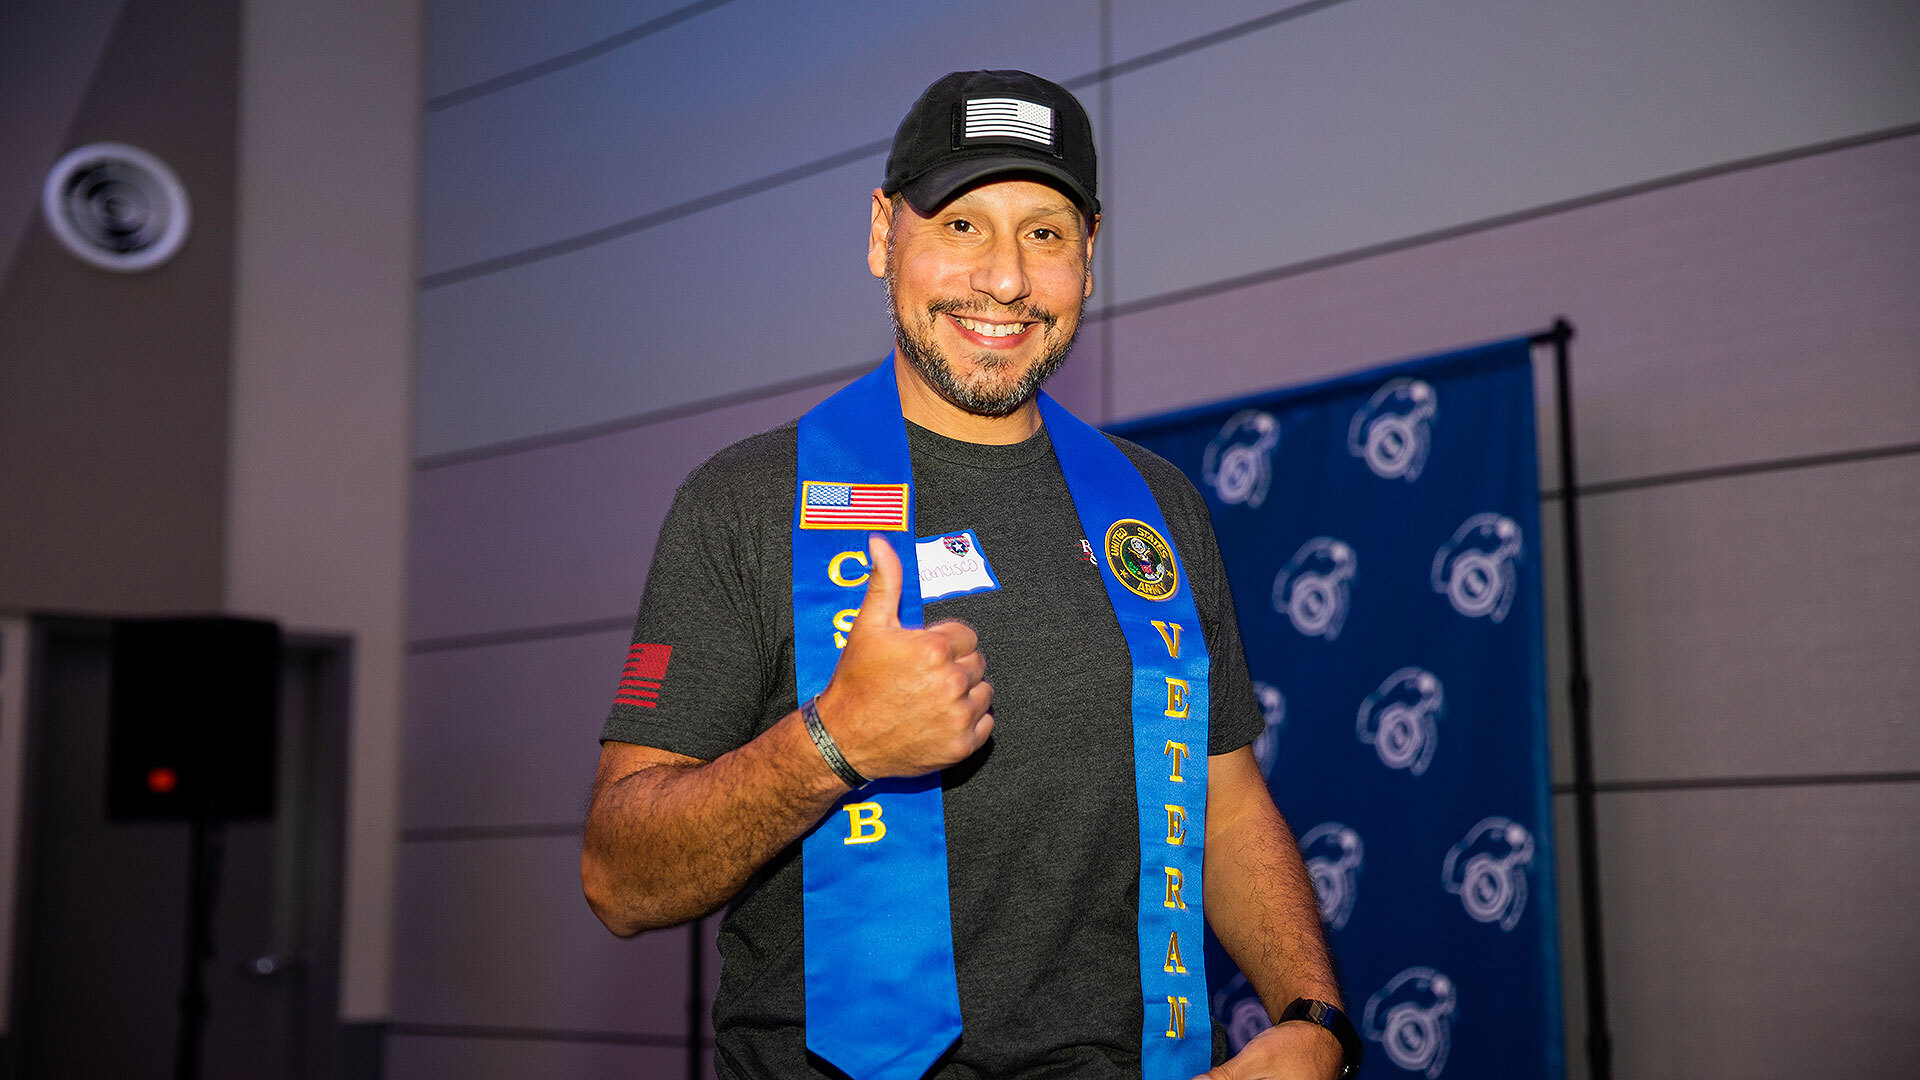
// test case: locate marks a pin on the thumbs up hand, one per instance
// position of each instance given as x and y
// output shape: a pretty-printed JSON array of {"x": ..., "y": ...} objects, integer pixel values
[{"x": 904, "y": 702}]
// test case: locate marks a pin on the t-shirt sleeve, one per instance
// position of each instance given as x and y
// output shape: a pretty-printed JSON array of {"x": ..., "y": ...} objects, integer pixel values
[
  {"x": 1233, "y": 717},
  {"x": 695, "y": 677}
]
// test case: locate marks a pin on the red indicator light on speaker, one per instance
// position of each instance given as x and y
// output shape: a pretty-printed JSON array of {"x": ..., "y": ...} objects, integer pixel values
[{"x": 162, "y": 780}]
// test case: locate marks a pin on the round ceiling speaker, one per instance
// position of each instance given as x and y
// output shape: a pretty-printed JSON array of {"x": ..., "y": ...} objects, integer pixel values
[{"x": 116, "y": 206}]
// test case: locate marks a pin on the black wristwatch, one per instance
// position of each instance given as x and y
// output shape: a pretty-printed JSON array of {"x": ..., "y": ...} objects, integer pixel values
[{"x": 1319, "y": 1012}]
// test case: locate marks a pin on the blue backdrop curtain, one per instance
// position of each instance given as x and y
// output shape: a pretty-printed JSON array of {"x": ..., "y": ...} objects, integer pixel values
[{"x": 1382, "y": 535}]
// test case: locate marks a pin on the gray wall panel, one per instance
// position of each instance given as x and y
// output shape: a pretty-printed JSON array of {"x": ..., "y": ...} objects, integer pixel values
[
  {"x": 1723, "y": 904},
  {"x": 1368, "y": 122},
  {"x": 506, "y": 734},
  {"x": 470, "y": 41},
  {"x": 496, "y": 932},
  {"x": 417, "y": 1057},
  {"x": 1758, "y": 625},
  {"x": 563, "y": 533},
  {"x": 1142, "y": 26},
  {"x": 1720, "y": 643},
  {"x": 1761, "y": 314},
  {"x": 766, "y": 290},
  {"x": 741, "y": 92},
  {"x": 1764, "y": 932}
]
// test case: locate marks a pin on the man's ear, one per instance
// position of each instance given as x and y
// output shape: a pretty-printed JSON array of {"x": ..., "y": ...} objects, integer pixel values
[
  {"x": 1093, "y": 230},
  {"x": 882, "y": 228}
]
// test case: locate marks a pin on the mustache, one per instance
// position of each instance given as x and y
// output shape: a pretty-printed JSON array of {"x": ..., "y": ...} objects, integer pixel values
[{"x": 1023, "y": 312}]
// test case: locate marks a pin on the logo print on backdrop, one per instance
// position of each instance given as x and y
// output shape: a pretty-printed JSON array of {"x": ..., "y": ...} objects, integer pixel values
[
  {"x": 1397, "y": 720},
  {"x": 1333, "y": 854},
  {"x": 1240, "y": 1012},
  {"x": 1311, "y": 590},
  {"x": 1390, "y": 432},
  {"x": 1409, "y": 1018},
  {"x": 1273, "y": 709},
  {"x": 1238, "y": 462},
  {"x": 1475, "y": 568},
  {"x": 1488, "y": 870}
]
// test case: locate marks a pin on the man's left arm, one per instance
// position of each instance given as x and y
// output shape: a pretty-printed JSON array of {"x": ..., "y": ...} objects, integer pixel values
[{"x": 1262, "y": 908}]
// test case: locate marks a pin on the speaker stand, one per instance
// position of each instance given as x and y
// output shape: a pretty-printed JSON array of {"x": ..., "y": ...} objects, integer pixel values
[{"x": 207, "y": 850}]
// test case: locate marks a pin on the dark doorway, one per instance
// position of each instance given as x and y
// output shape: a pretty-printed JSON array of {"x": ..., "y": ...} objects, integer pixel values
[{"x": 102, "y": 926}]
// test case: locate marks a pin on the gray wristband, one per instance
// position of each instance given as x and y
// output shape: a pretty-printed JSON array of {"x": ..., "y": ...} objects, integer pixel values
[{"x": 825, "y": 744}]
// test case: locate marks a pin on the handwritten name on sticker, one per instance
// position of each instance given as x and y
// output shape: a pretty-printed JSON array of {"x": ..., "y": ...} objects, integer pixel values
[{"x": 952, "y": 564}]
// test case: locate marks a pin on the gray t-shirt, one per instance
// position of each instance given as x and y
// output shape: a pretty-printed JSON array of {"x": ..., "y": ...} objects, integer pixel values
[{"x": 1041, "y": 823}]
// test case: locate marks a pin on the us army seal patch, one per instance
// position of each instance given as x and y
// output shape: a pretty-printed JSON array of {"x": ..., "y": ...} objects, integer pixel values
[{"x": 1142, "y": 559}]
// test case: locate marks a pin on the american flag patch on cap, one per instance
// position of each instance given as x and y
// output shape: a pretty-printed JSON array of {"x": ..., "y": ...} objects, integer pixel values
[
  {"x": 640, "y": 679},
  {"x": 1008, "y": 118},
  {"x": 827, "y": 505}
]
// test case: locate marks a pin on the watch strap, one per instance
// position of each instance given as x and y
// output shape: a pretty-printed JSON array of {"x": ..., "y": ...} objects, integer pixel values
[{"x": 1329, "y": 1017}]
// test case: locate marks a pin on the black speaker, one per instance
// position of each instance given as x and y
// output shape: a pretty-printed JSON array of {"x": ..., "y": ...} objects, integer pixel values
[{"x": 194, "y": 719}]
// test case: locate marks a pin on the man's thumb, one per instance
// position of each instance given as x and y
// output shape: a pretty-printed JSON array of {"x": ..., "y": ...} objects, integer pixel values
[{"x": 880, "y": 608}]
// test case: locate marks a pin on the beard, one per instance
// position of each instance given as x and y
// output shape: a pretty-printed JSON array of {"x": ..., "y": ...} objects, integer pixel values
[{"x": 993, "y": 391}]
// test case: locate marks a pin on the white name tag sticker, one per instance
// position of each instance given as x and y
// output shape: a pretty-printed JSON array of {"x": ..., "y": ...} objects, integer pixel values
[{"x": 952, "y": 564}]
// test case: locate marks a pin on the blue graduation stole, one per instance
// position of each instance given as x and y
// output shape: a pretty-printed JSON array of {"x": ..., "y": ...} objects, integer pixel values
[{"x": 881, "y": 996}]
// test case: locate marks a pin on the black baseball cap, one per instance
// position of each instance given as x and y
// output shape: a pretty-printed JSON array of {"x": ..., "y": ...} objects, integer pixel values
[{"x": 971, "y": 125}]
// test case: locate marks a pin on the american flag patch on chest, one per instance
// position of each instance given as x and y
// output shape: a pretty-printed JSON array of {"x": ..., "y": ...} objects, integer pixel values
[
  {"x": 1007, "y": 118},
  {"x": 828, "y": 505}
]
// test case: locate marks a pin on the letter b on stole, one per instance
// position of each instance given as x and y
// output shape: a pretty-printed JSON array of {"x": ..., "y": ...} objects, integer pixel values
[{"x": 863, "y": 823}]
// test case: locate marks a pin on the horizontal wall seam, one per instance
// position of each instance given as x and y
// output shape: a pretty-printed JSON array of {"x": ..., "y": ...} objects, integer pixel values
[
  {"x": 1604, "y": 787},
  {"x": 595, "y": 237},
  {"x": 572, "y": 57},
  {"x": 525, "y": 1034},
  {"x": 1752, "y": 468},
  {"x": 646, "y": 419},
  {"x": 513, "y": 446},
  {"x": 1544, "y": 210},
  {"x": 737, "y": 192},
  {"x": 442, "y": 833},
  {"x": 1718, "y": 783},
  {"x": 1204, "y": 41},
  {"x": 1745, "y": 468},
  {"x": 519, "y": 634}
]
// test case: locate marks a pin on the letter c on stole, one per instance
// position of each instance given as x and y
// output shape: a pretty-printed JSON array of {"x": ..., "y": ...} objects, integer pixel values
[{"x": 839, "y": 577}]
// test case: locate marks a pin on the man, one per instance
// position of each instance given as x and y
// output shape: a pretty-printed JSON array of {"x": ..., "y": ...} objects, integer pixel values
[{"x": 795, "y": 775}]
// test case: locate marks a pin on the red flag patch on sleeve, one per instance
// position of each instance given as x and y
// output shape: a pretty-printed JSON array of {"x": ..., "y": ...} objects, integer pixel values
[{"x": 640, "y": 679}]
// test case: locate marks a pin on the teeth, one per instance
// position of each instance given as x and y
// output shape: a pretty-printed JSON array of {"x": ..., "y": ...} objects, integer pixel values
[{"x": 986, "y": 329}]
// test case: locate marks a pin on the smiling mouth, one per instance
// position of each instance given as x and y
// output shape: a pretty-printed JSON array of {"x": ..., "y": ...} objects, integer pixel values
[{"x": 992, "y": 329}]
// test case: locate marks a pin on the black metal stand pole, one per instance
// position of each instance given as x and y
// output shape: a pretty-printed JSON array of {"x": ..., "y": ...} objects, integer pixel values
[
  {"x": 206, "y": 850},
  {"x": 696, "y": 985},
  {"x": 1599, "y": 1037}
]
